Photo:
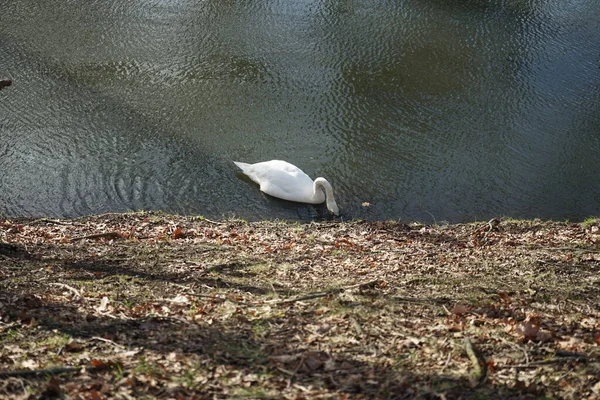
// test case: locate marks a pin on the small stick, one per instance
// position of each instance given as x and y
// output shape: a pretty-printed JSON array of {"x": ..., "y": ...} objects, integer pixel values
[
  {"x": 49, "y": 371},
  {"x": 72, "y": 289},
  {"x": 307, "y": 297},
  {"x": 112, "y": 235},
  {"x": 164, "y": 317},
  {"x": 117, "y": 345},
  {"x": 289, "y": 383},
  {"x": 49, "y": 221},
  {"x": 555, "y": 360},
  {"x": 212, "y": 222},
  {"x": 446, "y": 363},
  {"x": 223, "y": 299},
  {"x": 480, "y": 367}
]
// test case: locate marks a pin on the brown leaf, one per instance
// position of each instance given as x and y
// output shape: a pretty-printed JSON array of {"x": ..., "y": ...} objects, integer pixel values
[
  {"x": 95, "y": 395},
  {"x": 460, "y": 309},
  {"x": 97, "y": 363},
  {"x": 52, "y": 389},
  {"x": 529, "y": 329},
  {"x": 73, "y": 347},
  {"x": 177, "y": 233},
  {"x": 504, "y": 297},
  {"x": 597, "y": 337},
  {"x": 25, "y": 318},
  {"x": 315, "y": 359}
]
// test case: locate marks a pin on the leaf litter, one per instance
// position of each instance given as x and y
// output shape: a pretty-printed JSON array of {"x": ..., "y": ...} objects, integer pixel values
[{"x": 158, "y": 306}]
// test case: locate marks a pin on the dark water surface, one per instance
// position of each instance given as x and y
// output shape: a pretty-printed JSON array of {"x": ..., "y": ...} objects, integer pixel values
[{"x": 445, "y": 109}]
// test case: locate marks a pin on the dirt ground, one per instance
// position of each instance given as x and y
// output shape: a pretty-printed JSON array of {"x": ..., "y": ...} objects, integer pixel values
[{"x": 148, "y": 305}]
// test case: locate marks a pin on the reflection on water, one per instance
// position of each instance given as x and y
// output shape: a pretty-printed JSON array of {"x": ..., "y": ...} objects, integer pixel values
[{"x": 443, "y": 109}]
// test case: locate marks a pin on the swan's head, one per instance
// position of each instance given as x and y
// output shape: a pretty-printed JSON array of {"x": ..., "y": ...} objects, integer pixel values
[
  {"x": 333, "y": 207},
  {"x": 329, "y": 200}
]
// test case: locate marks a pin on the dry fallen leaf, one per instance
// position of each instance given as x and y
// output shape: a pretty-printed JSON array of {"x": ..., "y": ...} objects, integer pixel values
[
  {"x": 529, "y": 329},
  {"x": 177, "y": 233},
  {"x": 460, "y": 309},
  {"x": 53, "y": 390}
]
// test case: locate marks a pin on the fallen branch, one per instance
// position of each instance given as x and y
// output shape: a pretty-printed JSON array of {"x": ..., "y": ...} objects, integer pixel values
[
  {"x": 572, "y": 249},
  {"x": 111, "y": 214},
  {"x": 117, "y": 345},
  {"x": 492, "y": 224},
  {"x": 50, "y": 221},
  {"x": 326, "y": 293},
  {"x": 111, "y": 235},
  {"x": 31, "y": 373},
  {"x": 212, "y": 222},
  {"x": 223, "y": 299},
  {"x": 72, "y": 289},
  {"x": 559, "y": 358},
  {"x": 309, "y": 296},
  {"x": 479, "y": 374}
]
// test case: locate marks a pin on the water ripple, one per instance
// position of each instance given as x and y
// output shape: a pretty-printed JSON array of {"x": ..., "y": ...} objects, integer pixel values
[{"x": 437, "y": 109}]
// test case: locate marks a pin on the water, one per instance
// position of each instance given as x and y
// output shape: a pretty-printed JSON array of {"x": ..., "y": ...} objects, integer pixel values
[{"x": 426, "y": 110}]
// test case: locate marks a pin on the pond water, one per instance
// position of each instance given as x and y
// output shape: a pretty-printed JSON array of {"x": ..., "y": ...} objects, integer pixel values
[{"x": 430, "y": 110}]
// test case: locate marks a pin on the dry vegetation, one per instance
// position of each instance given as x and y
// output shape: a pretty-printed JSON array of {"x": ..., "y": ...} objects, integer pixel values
[{"x": 155, "y": 306}]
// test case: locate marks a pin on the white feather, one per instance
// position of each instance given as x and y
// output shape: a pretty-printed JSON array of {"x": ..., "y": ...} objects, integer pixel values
[{"x": 286, "y": 181}]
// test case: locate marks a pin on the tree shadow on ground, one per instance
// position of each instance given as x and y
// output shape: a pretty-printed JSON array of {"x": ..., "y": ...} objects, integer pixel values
[
  {"x": 234, "y": 346},
  {"x": 154, "y": 337}
]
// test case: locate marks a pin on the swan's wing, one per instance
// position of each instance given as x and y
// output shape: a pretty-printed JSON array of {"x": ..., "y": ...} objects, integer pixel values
[{"x": 281, "y": 179}]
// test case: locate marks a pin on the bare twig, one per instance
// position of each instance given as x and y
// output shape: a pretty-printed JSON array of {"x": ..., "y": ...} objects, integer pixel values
[
  {"x": 492, "y": 224},
  {"x": 48, "y": 371},
  {"x": 70, "y": 288},
  {"x": 307, "y": 297},
  {"x": 446, "y": 363},
  {"x": 110, "y": 214},
  {"x": 326, "y": 293},
  {"x": 112, "y": 235},
  {"x": 572, "y": 249},
  {"x": 167, "y": 318},
  {"x": 559, "y": 357},
  {"x": 221, "y": 299},
  {"x": 117, "y": 345},
  {"x": 289, "y": 383},
  {"x": 479, "y": 366},
  {"x": 51, "y": 221},
  {"x": 212, "y": 222}
]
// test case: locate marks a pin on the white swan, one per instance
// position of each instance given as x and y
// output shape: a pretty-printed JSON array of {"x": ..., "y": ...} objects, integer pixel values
[{"x": 286, "y": 181}]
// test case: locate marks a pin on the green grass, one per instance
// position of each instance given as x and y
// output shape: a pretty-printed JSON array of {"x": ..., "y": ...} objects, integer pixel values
[
  {"x": 591, "y": 221},
  {"x": 55, "y": 341}
]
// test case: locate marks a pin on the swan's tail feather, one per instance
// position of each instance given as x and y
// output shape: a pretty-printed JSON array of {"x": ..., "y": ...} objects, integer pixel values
[{"x": 241, "y": 165}]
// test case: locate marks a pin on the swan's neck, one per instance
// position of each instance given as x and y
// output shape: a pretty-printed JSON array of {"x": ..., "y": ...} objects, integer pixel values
[{"x": 325, "y": 186}]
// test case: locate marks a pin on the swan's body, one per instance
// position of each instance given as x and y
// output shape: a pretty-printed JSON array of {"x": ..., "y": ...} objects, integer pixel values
[{"x": 286, "y": 181}]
